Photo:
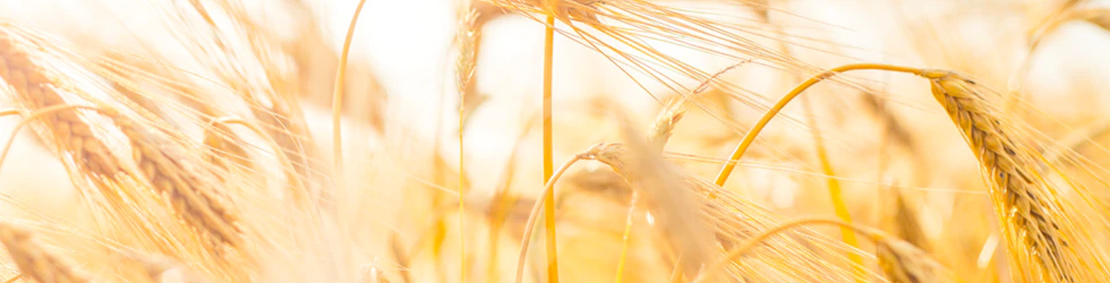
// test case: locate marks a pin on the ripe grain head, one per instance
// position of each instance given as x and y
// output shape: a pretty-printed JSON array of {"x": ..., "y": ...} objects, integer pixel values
[
  {"x": 902, "y": 262},
  {"x": 1039, "y": 228},
  {"x": 34, "y": 261},
  {"x": 159, "y": 159}
]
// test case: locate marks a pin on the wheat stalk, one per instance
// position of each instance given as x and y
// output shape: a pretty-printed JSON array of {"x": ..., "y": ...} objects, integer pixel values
[
  {"x": 34, "y": 262},
  {"x": 467, "y": 37}
]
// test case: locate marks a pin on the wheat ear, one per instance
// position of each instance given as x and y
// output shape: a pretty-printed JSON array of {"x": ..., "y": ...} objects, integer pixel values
[
  {"x": 39, "y": 89},
  {"x": 34, "y": 262},
  {"x": 190, "y": 188},
  {"x": 1030, "y": 212},
  {"x": 165, "y": 164}
]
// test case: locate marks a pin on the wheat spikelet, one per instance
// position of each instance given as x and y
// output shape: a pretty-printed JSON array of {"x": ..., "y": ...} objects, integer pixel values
[
  {"x": 904, "y": 263},
  {"x": 223, "y": 145},
  {"x": 907, "y": 223},
  {"x": 256, "y": 76},
  {"x": 468, "y": 39},
  {"x": 70, "y": 136},
  {"x": 34, "y": 262},
  {"x": 665, "y": 123},
  {"x": 1036, "y": 225},
  {"x": 190, "y": 188}
]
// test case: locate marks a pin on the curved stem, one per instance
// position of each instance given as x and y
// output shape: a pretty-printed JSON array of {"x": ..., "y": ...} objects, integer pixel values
[
  {"x": 337, "y": 99},
  {"x": 36, "y": 115},
  {"x": 526, "y": 239},
  {"x": 750, "y": 137},
  {"x": 754, "y": 241}
]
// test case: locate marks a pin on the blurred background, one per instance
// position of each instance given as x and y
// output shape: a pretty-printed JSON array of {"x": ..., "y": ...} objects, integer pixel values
[{"x": 889, "y": 144}]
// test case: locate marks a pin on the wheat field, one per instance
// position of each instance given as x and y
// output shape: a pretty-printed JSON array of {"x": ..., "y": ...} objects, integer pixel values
[{"x": 555, "y": 140}]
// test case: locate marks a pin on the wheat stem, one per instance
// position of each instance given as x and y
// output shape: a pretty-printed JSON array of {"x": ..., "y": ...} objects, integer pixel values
[
  {"x": 548, "y": 189},
  {"x": 549, "y": 198},
  {"x": 835, "y": 191},
  {"x": 467, "y": 40},
  {"x": 337, "y": 99},
  {"x": 750, "y": 137},
  {"x": 627, "y": 234}
]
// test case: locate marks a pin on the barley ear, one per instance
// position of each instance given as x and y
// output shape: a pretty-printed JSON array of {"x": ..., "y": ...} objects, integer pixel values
[
  {"x": 1029, "y": 211},
  {"x": 34, "y": 262},
  {"x": 665, "y": 123},
  {"x": 902, "y": 262}
]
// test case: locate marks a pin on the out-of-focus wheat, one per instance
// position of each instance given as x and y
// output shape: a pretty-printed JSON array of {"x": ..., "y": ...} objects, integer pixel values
[
  {"x": 35, "y": 262},
  {"x": 189, "y": 187}
]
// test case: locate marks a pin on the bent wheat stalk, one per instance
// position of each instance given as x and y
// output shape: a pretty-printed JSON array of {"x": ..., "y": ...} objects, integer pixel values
[
  {"x": 754, "y": 131},
  {"x": 549, "y": 198},
  {"x": 1044, "y": 242},
  {"x": 337, "y": 99},
  {"x": 548, "y": 189}
]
